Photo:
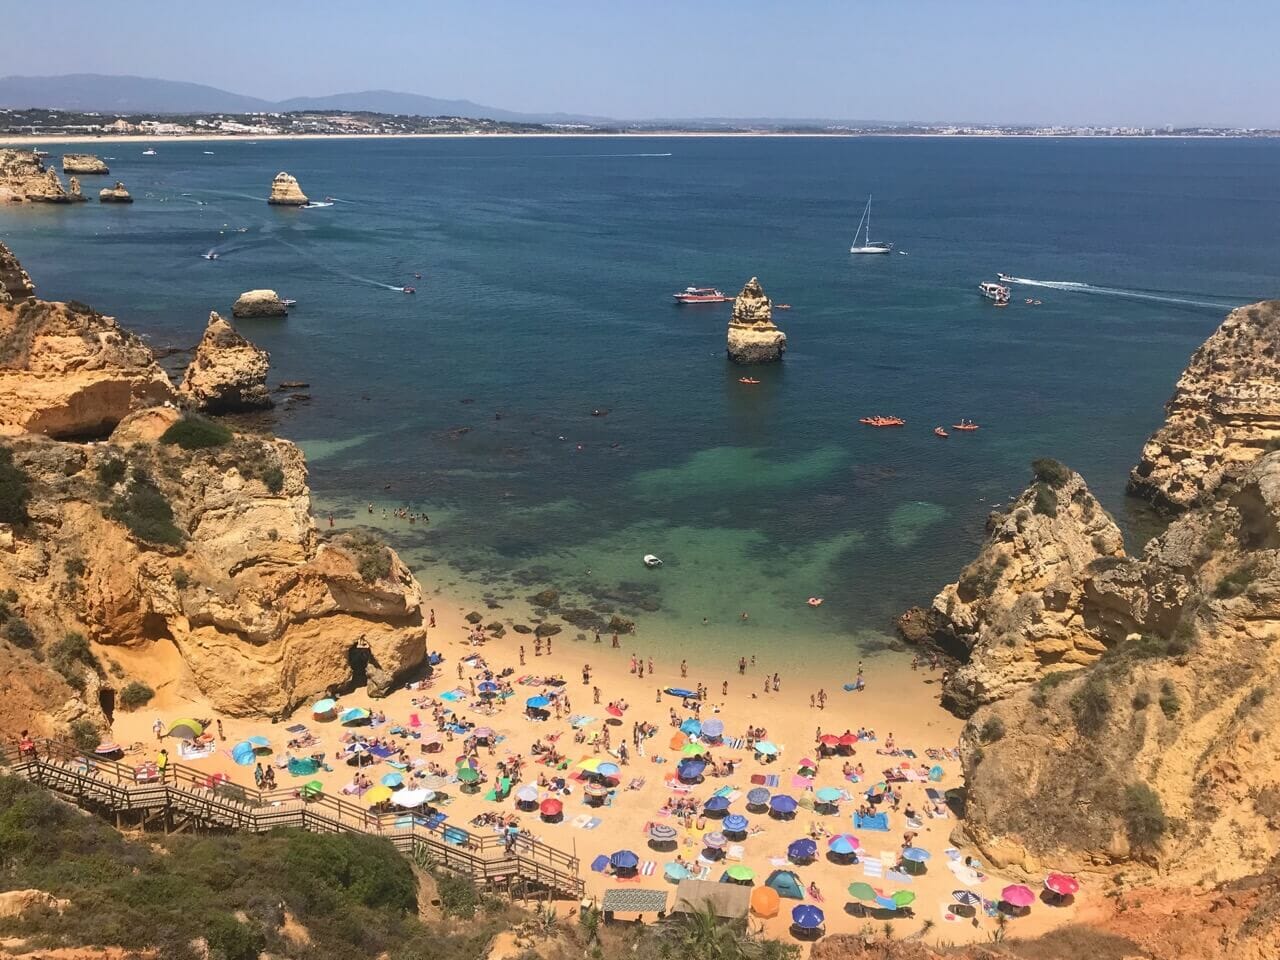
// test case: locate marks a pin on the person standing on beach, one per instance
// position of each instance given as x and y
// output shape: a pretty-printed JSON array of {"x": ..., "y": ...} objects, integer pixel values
[
  {"x": 640, "y": 670},
  {"x": 521, "y": 655},
  {"x": 433, "y": 618},
  {"x": 158, "y": 729},
  {"x": 651, "y": 666},
  {"x": 220, "y": 734},
  {"x": 586, "y": 674},
  {"x": 633, "y": 662},
  {"x": 684, "y": 669},
  {"x": 742, "y": 666},
  {"x": 595, "y": 694}
]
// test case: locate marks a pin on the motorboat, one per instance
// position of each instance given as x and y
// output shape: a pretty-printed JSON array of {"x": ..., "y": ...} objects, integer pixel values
[
  {"x": 700, "y": 295},
  {"x": 408, "y": 290},
  {"x": 965, "y": 425},
  {"x": 288, "y": 302},
  {"x": 864, "y": 228},
  {"x": 748, "y": 380},
  {"x": 651, "y": 561},
  {"x": 939, "y": 432},
  {"x": 878, "y": 421},
  {"x": 149, "y": 152},
  {"x": 995, "y": 292}
]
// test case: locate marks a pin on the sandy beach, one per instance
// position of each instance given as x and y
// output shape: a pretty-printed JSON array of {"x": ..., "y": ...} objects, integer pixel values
[{"x": 898, "y": 704}]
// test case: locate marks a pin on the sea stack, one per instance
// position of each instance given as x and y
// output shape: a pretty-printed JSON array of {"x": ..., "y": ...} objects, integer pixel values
[
  {"x": 259, "y": 303},
  {"x": 228, "y": 374},
  {"x": 15, "y": 284},
  {"x": 753, "y": 338},
  {"x": 1224, "y": 413},
  {"x": 73, "y": 186},
  {"x": 116, "y": 194},
  {"x": 83, "y": 163},
  {"x": 23, "y": 177},
  {"x": 285, "y": 191}
]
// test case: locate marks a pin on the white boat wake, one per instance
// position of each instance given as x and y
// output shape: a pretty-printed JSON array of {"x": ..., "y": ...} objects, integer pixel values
[
  {"x": 337, "y": 270},
  {"x": 1073, "y": 286}
]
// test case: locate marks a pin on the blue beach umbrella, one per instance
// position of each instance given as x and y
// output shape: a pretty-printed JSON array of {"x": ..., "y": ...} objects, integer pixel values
[
  {"x": 916, "y": 854},
  {"x": 392, "y": 780},
  {"x": 716, "y": 805},
  {"x": 692, "y": 726},
  {"x": 807, "y": 917},
  {"x": 734, "y": 823},
  {"x": 675, "y": 873},
  {"x": 782, "y": 804},
  {"x": 691, "y": 769},
  {"x": 354, "y": 715},
  {"x": 713, "y": 728},
  {"x": 757, "y": 796},
  {"x": 242, "y": 753},
  {"x": 324, "y": 706},
  {"x": 624, "y": 860},
  {"x": 842, "y": 845},
  {"x": 804, "y": 849},
  {"x": 967, "y": 897},
  {"x": 610, "y": 770},
  {"x": 765, "y": 748},
  {"x": 538, "y": 703},
  {"x": 829, "y": 795}
]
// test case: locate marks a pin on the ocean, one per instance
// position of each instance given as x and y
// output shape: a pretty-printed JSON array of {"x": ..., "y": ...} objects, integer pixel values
[{"x": 558, "y": 417}]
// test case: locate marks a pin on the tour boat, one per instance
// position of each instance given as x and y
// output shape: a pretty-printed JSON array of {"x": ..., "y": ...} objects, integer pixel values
[
  {"x": 700, "y": 295},
  {"x": 149, "y": 152},
  {"x": 882, "y": 421},
  {"x": 939, "y": 432},
  {"x": 651, "y": 561},
  {"x": 964, "y": 425},
  {"x": 864, "y": 228},
  {"x": 997, "y": 293}
]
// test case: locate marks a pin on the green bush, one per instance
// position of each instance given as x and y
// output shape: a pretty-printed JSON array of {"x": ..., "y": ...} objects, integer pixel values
[
  {"x": 18, "y": 632},
  {"x": 229, "y": 939},
  {"x": 1091, "y": 704},
  {"x": 143, "y": 509},
  {"x": 458, "y": 897},
  {"x": 273, "y": 477},
  {"x": 70, "y": 656},
  {"x": 1237, "y": 581},
  {"x": 15, "y": 489},
  {"x": 992, "y": 730},
  {"x": 135, "y": 694},
  {"x": 1046, "y": 501},
  {"x": 1141, "y": 700},
  {"x": 372, "y": 557},
  {"x": 196, "y": 433},
  {"x": 84, "y": 735},
  {"x": 110, "y": 471},
  {"x": 1169, "y": 702},
  {"x": 1143, "y": 815},
  {"x": 1050, "y": 471}
]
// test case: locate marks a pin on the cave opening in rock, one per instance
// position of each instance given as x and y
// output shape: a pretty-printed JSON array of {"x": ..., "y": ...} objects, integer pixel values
[
  {"x": 359, "y": 657},
  {"x": 107, "y": 701}
]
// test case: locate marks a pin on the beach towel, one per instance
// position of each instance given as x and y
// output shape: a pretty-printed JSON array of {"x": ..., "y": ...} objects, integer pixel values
[
  {"x": 771, "y": 780},
  {"x": 723, "y": 792},
  {"x": 599, "y": 864},
  {"x": 805, "y": 783},
  {"x": 581, "y": 720},
  {"x": 580, "y": 821},
  {"x": 592, "y": 823},
  {"x": 779, "y": 861},
  {"x": 704, "y": 873},
  {"x": 878, "y": 821},
  {"x": 897, "y": 876},
  {"x": 735, "y": 743},
  {"x": 452, "y": 695},
  {"x": 952, "y": 853},
  {"x": 934, "y": 794},
  {"x": 735, "y": 853},
  {"x": 872, "y": 867},
  {"x": 647, "y": 868},
  {"x": 758, "y": 779}
]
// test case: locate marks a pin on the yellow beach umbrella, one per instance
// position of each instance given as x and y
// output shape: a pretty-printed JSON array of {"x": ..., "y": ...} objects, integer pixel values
[
  {"x": 591, "y": 764},
  {"x": 377, "y": 795}
]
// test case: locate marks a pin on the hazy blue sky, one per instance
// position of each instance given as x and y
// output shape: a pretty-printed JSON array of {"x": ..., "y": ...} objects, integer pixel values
[{"x": 1108, "y": 61}]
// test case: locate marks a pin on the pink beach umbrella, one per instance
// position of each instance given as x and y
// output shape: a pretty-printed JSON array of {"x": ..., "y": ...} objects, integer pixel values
[
  {"x": 1063, "y": 884},
  {"x": 1018, "y": 895}
]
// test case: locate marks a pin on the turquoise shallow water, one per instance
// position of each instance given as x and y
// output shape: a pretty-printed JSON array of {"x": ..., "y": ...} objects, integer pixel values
[{"x": 548, "y": 266}]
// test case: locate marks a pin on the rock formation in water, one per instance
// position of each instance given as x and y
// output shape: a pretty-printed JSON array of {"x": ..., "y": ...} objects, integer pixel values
[
  {"x": 116, "y": 194},
  {"x": 23, "y": 177},
  {"x": 73, "y": 190},
  {"x": 259, "y": 303},
  {"x": 227, "y": 374},
  {"x": 83, "y": 163},
  {"x": 753, "y": 337},
  {"x": 68, "y": 371},
  {"x": 1017, "y": 611},
  {"x": 1224, "y": 413},
  {"x": 286, "y": 192},
  {"x": 15, "y": 284}
]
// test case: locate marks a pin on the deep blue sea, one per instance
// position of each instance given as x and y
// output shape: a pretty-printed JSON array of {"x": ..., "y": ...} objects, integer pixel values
[{"x": 547, "y": 272}]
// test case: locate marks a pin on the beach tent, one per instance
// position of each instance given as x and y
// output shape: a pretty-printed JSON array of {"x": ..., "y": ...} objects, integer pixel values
[
  {"x": 764, "y": 902},
  {"x": 242, "y": 753},
  {"x": 325, "y": 706},
  {"x": 786, "y": 883},
  {"x": 186, "y": 729},
  {"x": 302, "y": 766}
]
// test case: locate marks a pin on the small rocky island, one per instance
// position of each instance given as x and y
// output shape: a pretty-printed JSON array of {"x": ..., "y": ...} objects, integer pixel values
[
  {"x": 84, "y": 163},
  {"x": 753, "y": 337},
  {"x": 116, "y": 194},
  {"x": 228, "y": 374},
  {"x": 24, "y": 177},
  {"x": 285, "y": 191},
  {"x": 259, "y": 303}
]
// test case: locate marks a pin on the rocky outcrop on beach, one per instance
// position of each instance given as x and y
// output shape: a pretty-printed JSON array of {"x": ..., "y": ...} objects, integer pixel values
[
  {"x": 1224, "y": 413},
  {"x": 1018, "y": 610},
  {"x": 285, "y": 191},
  {"x": 259, "y": 303},
  {"x": 15, "y": 284},
  {"x": 83, "y": 163},
  {"x": 116, "y": 194},
  {"x": 227, "y": 374},
  {"x": 753, "y": 337},
  {"x": 68, "y": 371},
  {"x": 23, "y": 177}
]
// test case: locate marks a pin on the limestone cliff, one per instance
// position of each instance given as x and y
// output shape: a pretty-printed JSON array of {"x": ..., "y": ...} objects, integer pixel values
[
  {"x": 116, "y": 194},
  {"x": 14, "y": 282},
  {"x": 23, "y": 177},
  {"x": 84, "y": 163},
  {"x": 286, "y": 192},
  {"x": 1166, "y": 747},
  {"x": 259, "y": 303},
  {"x": 1224, "y": 412},
  {"x": 68, "y": 371},
  {"x": 227, "y": 373},
  {"x": 753, "y": 337},
  {"x": 1017, "y": 610}
]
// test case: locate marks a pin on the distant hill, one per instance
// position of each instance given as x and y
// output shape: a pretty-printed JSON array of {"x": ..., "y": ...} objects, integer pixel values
[{"x": 125, "y": 94}]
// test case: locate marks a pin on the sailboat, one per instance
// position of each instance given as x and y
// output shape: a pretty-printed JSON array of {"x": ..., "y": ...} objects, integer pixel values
[{"x": 868, "y": 245}]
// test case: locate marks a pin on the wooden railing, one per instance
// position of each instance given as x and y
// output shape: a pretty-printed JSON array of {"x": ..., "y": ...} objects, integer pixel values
[{"x": 217, "y": 802}]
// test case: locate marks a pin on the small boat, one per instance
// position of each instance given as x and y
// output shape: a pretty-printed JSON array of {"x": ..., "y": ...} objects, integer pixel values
[
  {"x": 210, "y": 255},
  {"x": 288, "y": 302},
  {"x": 149, "y": 152},
  {"x": 782, "y": 306},
  {"x": 965, "y": 425},
  {"x": 995, "y": 292},
  {"x": 939, "y": 432},
  {"x": 417, "y": 276},
  {"x": 750, "y": 380},
  {"x": 651, "y": 561},
  {"x": 40, "y": 153},
  {"x": 408, "y": 290},
  {"x": 882, "y": 421},
  {"x": 814, "y": 601},
  {"x": 208, "y": 153},
  {"x": 700, "y": 295},
  {"x": 868, "y": 245}
]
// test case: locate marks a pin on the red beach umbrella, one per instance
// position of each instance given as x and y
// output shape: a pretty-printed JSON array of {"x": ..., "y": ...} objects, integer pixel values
[
  {"x": 829, "y": 740},
  {"x": 849, "y": 740},
  {"x": 552, "y": 808},
  {"x": 1063, "y": 884},
  {"x": 613, "y": 710}
]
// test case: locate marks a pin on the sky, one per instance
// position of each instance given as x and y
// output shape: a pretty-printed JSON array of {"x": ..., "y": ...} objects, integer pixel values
[{"x": 1143, "y": 62}]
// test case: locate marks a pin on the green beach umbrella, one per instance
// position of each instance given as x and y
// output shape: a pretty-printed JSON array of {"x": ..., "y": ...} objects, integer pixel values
[
  {"x": 693, "y": 750},
  {"x": 862, "y": 891},
  {"x": 740, "y": 872},
  {"x": 903, "y": 897},
  {"x": 467, "y": 775}
]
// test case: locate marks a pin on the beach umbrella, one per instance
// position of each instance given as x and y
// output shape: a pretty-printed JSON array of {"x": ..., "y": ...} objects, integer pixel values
[
  {"x": 808, "y": 763},
  {"x": 807, "y": 917},
  {"x": 624, "y": 860},
  {"x": 885, "y": 903},
  {"x": 614, "y": 711},
  {"x": 804, "y": 849},
  {"x": 527, "y": 794},
  {"x": 412, "y": 798},
  {"x": 829, "y": 795},
  {"x": 1018, "y": 895},
  {"x": 312, "y": 788},
  {"x": 767, "y": 749},
  {"x": 843, "y": 844},
  {"x": 849, "y": 740},
  {"x": 353, "y": 716},
  {"x": 484, "y": 733},
  {"x": 764, "y": 902},
  {"x": 786, "y": 883},
  {"x": 591, "y": 764},
  {"x": 714, "y": 841},
  {"x": 915, "y": 854},
  {"x": 829, "y": 740},
  {"x": 740, "y": 874},
  {"x": 487, "y": 688},
  {"x": 376, "y": 795},
  {"x": 538, "y": 703},
  {"x": 596, "y": 790},
  {"x": 1063, "y": 884},
  {"x": 259, "y": 743},
  {"x": 675, "y": 873},
  {"x": 967, "y": 897},
  {"x": 692, "y": 750},
  {"x": 610, "y": 770},
  {"x": 677, "y": 741},
  {"x": 691, "y": 769},
  {"x": 713, "y": 728},
  {"x": 757, "y": 796},
  {"x": 186, "y": 729},
  {"x": 862, "y": 891},
  {"x": 691, "y": 726},
  {"x": 242, "y": 753},
  {"x": 734, "y": 823},
  {"x": 107, "y": 748},
  {"x": 324, "y": 706},
  {"x": 467, "y": 775},
  {"x": 782, "y": 804},
  {"x": 392, "y": 780},
  {"x": 662, "y": 833},
  {"x": 356, "y": 747},
  {"x": 716, "y": 804},
  {"x": 903, "y": 898},
  {"x": 551, "y": 808}
]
